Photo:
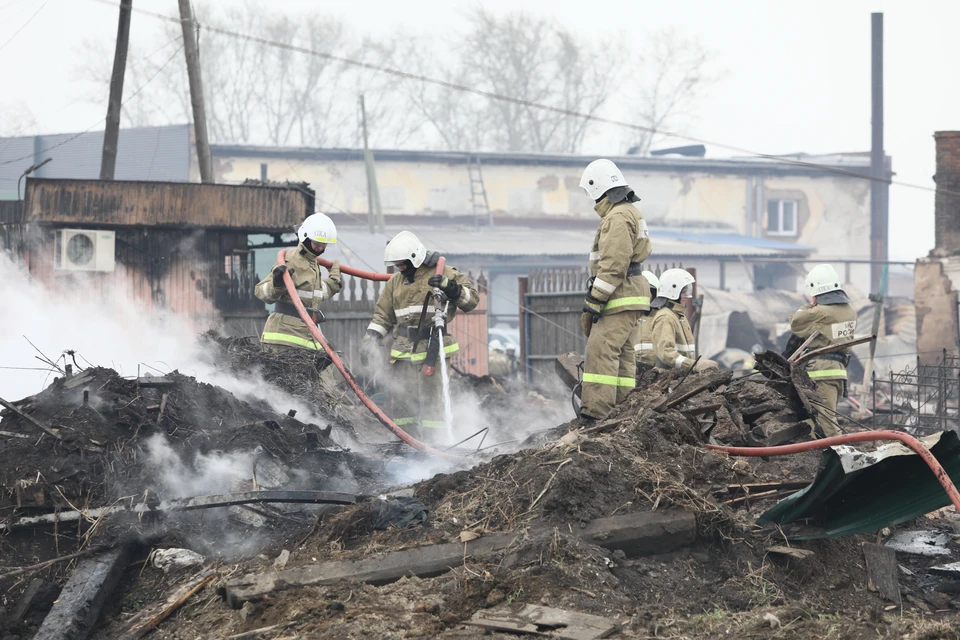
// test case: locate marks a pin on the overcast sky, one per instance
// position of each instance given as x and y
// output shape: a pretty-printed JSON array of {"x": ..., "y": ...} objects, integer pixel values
[{"x": 797, "y": 74}]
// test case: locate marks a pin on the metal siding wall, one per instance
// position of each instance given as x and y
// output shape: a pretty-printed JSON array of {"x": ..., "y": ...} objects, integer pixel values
[{"x": 470, "y": 330}]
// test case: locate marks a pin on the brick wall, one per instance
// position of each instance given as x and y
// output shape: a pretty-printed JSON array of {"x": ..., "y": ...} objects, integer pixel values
[{"x": 947, "y": 209}]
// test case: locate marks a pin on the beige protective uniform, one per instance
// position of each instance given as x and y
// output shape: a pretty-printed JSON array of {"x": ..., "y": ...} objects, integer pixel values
[
  {"x": 621, "y": 243},
  {"x": 284, "y": 328},
  {"x": 672, "y": 337},
  {"x": 643, "y": 347},
  {"x": 499, "y": 365},
  {"x": 416, "y": 400},
  {"x": 836, "y": 323}
]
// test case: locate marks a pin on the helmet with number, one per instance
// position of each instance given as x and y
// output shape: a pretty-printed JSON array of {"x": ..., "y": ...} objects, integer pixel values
[
  {"x": 405, "y": 246},
  {"x": 822, "y": 279},
  {"x": 319, "y": 228},
  {"x": 599, "y": 177},
  {"x": 673, "y": 282},
  {"x": 652, "y": 280}
]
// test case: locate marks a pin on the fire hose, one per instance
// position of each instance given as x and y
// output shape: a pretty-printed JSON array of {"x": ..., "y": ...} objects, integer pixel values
[
  {"x": 338, "y": 363},
  {"x": 865, "y": 436}
]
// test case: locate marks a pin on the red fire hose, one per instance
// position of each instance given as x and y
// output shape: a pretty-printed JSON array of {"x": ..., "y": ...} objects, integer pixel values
[
  {"x": 338, "y": 363},
  {"x": 865, "y": 436},
  {"x": 360, "y": 273}
]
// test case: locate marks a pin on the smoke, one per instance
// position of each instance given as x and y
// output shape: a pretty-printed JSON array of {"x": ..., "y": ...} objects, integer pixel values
[
  {"x": 104, "y": 326},
  {"x": 205, "y": 474}
]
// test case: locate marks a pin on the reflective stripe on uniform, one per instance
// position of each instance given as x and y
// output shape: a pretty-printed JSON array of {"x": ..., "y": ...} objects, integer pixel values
[
  {"x": 828, "y": 373},
  {"x": 615, "y": 381},
  {"x": 433, "y": 424},
  {"x": 419, "y": 357},
  {"x": 404, "y": 421},
  {"x": 622, "y": 302},
  {"x": 686, "y": 348},
  {"x": 604, "y": 286},
  {"x": 465, "y": 296},
  {"x": 300, "y": 342},
  {"x": 594, "y": 255},
  {"x": 643, "y": 346},
  {"x": 379, "y": 329},
  {"x": 678, "y": 364}
]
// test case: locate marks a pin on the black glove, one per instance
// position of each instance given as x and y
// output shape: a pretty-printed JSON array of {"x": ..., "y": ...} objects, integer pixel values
[
  {"x": 278, "y": 272},
  {"x": 449, "y": 287},
  {"x": 593, "y": 306},
  {"x": 792, "y": 345}
]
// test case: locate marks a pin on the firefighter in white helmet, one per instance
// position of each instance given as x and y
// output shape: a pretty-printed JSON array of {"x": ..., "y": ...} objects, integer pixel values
[
  {"x": 830, "y": 313},
  {"x": 643, "y": 347},
  {"x": 405, "y": 308},
  {"x": 672, "y": 337},
  {"x": 284, "y": 328},
  {"x": 617, "y": 292}
]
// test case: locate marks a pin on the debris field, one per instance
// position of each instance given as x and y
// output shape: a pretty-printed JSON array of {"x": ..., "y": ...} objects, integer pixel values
[{"x": 166, "y": 506}]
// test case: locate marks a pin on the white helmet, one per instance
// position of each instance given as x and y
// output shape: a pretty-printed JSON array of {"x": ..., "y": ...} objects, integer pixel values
[
  {"x": 673, "y": 282},
  {"x": 496, "y": 345},
  {"x": 319, "y": 228},
  {"x": 822, "y": 279},
  {"x": 599, "y": 177},
  {"x": 405, "y": 246},
  {"x": 652, "y": 280}
]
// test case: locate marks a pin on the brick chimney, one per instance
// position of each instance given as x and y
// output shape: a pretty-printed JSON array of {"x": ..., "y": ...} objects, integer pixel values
[{"x": 947, "y": 208}]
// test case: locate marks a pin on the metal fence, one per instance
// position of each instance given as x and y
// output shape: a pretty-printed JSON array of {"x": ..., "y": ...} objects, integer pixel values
[{"x": 925, "y": 397}]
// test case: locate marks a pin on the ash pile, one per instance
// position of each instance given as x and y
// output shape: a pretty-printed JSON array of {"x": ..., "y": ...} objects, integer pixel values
[{"x": 628, "y": 527}]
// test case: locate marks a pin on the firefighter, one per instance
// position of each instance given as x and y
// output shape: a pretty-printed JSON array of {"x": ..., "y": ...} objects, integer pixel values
[
  {"x": 829, "y": 313},
  {"x": 406, "y": 309},
  {"x": 617, "y": 292},
  {"x": 284, "y": 328},
  {"x": 673, "y": 343},
  {"x": 499, "y": 364},
  {"x": 643, "y": 347}
]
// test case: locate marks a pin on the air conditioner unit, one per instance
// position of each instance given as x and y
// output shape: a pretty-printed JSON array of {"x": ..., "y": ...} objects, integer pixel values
[{"x": 84, "y": 250}]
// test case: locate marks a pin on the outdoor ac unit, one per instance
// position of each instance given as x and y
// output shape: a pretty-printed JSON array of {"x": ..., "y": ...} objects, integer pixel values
[{"x": 84, "y": 250}]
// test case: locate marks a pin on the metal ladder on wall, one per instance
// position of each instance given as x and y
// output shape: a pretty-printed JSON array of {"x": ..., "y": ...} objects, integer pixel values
[{"x": 478, "y": 193}]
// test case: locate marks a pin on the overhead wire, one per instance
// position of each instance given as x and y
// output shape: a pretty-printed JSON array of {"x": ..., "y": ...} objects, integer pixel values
[
  {"x": 24, "y": 25},
  {"x": 536, "y": 105}
]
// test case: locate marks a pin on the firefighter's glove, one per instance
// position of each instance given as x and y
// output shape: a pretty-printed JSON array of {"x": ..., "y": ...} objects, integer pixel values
[
  {"x": 586, "y": 323},
  {"x": 334, "y": 271},
  {"x": 450, "y": 288},
  {"x": 593, "y": 306},
  {"x": 368, "y": 347},
  {"x": 278, "y": 272}
]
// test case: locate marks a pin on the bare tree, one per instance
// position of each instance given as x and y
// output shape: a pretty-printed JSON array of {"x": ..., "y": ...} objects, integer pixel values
[{"x": 675, "y": 73}]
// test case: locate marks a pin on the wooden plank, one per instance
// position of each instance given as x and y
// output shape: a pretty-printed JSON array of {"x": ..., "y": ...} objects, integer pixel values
[
  {"x": 30, "y": 419},
  {"x": 806, "y": 343},
  {"x": 422, "y": 562},
  {"x": 810, "y": 355},
  {"x": 545, "y": 621},
  {"x": 882, "y": 571},
  {"x": 19, "y": 613},
  {"x": 644, "y": 532},
  {"x": 145, "y": 621},
  {"x": 153, "y": 382},
  {"x": 792, "y": 552},
  {"x": 75, "y": 612}
]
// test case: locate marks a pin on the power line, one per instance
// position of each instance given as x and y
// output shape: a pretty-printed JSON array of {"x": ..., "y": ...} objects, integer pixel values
[
  {"x": 544, "y": 107},
  {"x": 24, "y": 26},
  {"x": 100, "y": 120}
]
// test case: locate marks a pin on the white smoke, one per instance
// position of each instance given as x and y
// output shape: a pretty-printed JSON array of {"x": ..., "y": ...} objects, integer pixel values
[{"x": 205, "y": 474}]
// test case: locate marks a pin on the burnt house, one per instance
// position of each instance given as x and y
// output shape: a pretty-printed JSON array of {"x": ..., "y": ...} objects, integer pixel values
[{"x": 181, "y": 247}]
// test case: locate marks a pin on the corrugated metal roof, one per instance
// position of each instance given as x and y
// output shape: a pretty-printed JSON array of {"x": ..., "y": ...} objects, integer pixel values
[
  {"x": 134, "y": 203},
  {"x": 796, "y": 164},
  {"x": 145, "y": 153},
  {"x": 518, "y": 242}
]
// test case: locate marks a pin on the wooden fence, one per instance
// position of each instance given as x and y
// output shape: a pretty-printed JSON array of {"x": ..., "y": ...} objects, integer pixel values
[{"x": 551, "y": 303}]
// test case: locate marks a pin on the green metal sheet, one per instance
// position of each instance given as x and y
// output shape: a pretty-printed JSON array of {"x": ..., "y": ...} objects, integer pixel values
[{"x": 858, "y": 492}]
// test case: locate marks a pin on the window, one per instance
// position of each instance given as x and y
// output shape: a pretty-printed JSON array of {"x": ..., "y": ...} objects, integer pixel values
[{"x": 782, "y": 217}]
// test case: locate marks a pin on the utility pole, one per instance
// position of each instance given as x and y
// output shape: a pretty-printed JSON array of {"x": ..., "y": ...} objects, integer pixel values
[
  {"x": 111, "y": 133},
  {"x": 196, "y": 91},
  {"x": 373, "y": 193},
  {"x": 879, "y": 187}
]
